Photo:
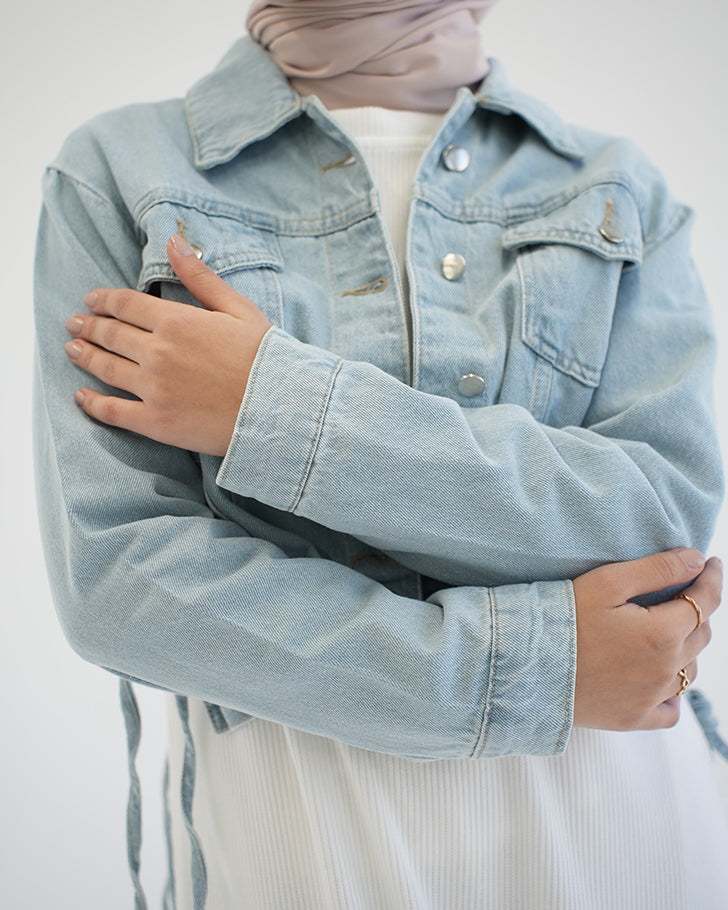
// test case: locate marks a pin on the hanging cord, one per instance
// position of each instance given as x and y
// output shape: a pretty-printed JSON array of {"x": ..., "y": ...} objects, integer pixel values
[
  {"x": 168, "y": 898},
  {"x": 132, "y": 719},
  {"x": 199, "y": 872},
  {"x": 708, "y": 721}
]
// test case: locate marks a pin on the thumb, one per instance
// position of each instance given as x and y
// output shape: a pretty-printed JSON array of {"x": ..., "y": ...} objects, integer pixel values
[
  {"x": 199, "y": 279},
  {"x": 626, "y": 580}
]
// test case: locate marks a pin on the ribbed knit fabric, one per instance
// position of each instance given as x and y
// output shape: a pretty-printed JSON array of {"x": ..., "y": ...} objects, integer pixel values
[{"x": 291, "y": 821}]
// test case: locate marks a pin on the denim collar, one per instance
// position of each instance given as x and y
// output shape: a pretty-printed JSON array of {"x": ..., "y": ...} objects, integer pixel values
[{"x": 246, "y": 98}]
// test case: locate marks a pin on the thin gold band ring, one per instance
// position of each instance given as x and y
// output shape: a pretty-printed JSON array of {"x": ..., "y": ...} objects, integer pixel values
[{"x": 694, "y": 605}]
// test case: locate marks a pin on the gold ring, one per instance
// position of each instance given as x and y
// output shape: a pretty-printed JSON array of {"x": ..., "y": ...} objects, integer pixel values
[
  {"x": 684, "y": 682},
  {"x": 694, "y": 605}
]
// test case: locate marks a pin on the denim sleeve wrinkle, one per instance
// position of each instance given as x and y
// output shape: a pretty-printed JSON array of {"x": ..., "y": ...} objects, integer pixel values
[
  {"x": 539, "y": 501},
  {"x": 149, "y": 583}
]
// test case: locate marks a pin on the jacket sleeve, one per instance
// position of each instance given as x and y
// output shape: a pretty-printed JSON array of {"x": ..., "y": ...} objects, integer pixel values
[
  {"x": 490, "y": 495},
  {"x": 150, "y": 584}
]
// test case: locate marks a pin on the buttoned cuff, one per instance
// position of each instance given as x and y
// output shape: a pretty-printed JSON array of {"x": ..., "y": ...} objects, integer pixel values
[
  {"x": 530, "y": 701},
  {"x": 280, "y": 421}
]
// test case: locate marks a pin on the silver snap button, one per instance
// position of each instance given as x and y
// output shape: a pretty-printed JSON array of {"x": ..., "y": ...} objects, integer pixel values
[
  {"x": 196, "y": 250},
  {"x": 456, "y": 158},
  {"x": 611, "y": 234},
  {"x": 471, "y": 385},
  {"x": 607, "y": 228},
  {"x": 452, "y": 266}
]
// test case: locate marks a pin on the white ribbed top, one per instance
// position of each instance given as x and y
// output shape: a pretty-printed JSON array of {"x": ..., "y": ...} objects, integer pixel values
[{"x": 291, "y": 821}]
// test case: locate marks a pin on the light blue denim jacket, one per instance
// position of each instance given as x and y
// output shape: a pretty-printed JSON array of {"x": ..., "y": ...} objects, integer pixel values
[{"x": 379, "y": 558}]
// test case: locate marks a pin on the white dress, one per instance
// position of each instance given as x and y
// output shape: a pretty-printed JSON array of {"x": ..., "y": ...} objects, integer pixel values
[{"x": 291, "y": 821}]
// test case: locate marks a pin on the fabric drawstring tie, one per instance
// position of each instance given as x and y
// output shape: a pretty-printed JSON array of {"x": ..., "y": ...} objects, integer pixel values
[
  {"x": 132, "y": 720},
  {"x": 199, "y": 871},
  {"x": 708, "y": 721}
]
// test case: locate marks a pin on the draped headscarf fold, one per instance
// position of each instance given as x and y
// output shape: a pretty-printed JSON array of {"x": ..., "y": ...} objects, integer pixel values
[{"x": 401, "y": 54}]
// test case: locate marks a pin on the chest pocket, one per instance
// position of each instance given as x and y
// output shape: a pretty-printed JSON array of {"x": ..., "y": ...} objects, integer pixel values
[
  {"x": 247, "y": 258},
  {"x": 570, "y": 263}
]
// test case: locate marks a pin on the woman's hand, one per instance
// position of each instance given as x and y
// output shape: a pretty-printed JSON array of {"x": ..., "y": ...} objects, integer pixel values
[
  {"x": 629, "y": 657},
  {"x": 189, "y": 367}
]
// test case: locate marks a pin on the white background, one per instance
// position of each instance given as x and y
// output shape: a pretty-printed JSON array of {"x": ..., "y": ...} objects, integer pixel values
[{"x": 655, "y": 71}]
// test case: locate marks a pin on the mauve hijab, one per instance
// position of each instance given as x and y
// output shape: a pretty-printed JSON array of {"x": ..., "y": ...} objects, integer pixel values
[{"x": 402, "y": 54}]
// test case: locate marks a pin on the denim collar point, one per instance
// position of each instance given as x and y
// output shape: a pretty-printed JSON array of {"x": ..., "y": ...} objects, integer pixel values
[
  {"x": 225, "y": 116},
  {"x": 497, "y": 94}
]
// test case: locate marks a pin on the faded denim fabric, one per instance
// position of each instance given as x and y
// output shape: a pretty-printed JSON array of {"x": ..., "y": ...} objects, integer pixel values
[{"x": 378, "y": 558}]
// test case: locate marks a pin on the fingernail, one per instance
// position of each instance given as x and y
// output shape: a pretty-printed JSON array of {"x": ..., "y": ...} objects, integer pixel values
[
  {"x": 80, "y": 397},
  {"x": 693, "y": 559},
  {"x": 74, "y": 325},
  {"x": 91, "y": 299},
  {"x": 73, "y": 349},
  {"x": 181, "y": 245}
]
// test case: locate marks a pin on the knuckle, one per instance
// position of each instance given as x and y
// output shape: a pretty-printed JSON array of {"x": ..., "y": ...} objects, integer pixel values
[
  {"x": 707, "y": 633},
  {"x": 109, "y": 332},
  {"x": 108, "y": 411},
  {"x": 120, "y": 301},
  {"x": 666, "y": 565},
  {"x": 156, "y": 357},
  {"x": 661, "y": 641},
  {"x": 198, "y": 270},
  {"x": 107, "y": 370},
  {"x": 718, "y": 568},
  {"x": 716, "y": 589}
]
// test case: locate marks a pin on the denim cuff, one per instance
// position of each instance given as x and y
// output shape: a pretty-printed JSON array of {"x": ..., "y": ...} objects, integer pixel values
[
  {"x": 530, "y": 704},
  {"x": 280, "y": 421}
]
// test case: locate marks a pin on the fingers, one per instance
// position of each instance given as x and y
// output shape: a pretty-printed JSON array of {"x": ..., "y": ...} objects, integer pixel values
[
  {"x": 131, "y": 307},
  {"x": 661, "y": 570},
  {"x": 116, "y": 412},
  {"x": 144, "y": 311},
  {"x": 620, "y": 581},
  {"x": 211, "y": 290},
  {"x": 630, "y": 657},
  {"x": 707, "y": 589},
  {"x": 679, "y": 615},
  {"x": 691, "y": 674},
  {"x": 111, "y": 334},
  {"x": 110, "y": 368},
  {"x": 667, "y": 713}
]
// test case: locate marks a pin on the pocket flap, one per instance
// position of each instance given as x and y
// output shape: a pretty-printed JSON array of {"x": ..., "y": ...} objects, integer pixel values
[
  {"x": 227, "y": 244},
  {"x": 603, "y": 219}
]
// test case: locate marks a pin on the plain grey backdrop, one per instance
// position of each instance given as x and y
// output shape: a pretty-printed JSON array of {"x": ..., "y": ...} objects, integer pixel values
[{"x": 654, "y": 71}]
